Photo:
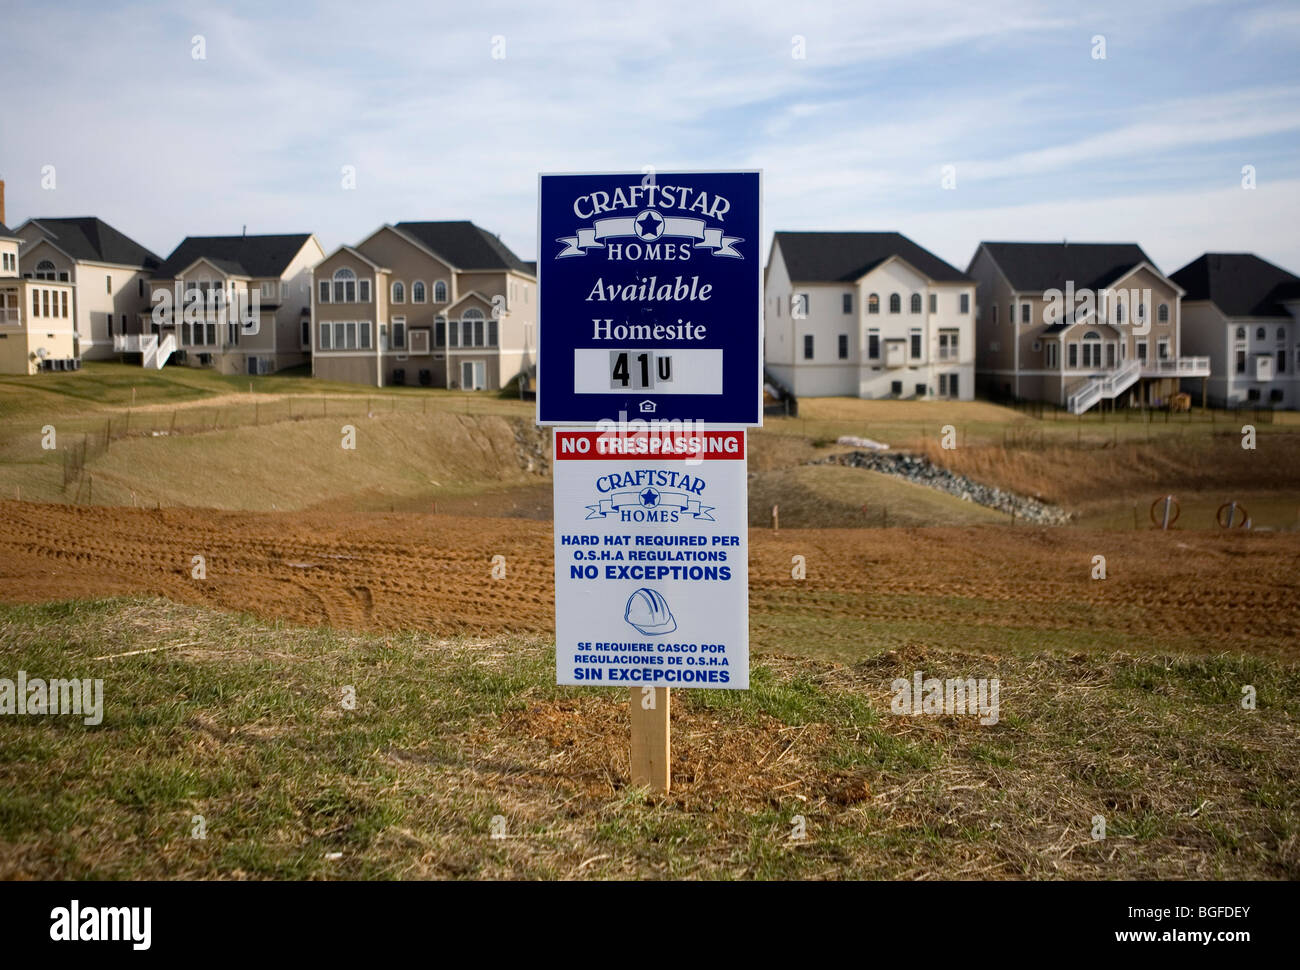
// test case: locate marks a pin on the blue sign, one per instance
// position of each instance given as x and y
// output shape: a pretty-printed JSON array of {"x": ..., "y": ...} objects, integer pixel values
[{"x": 649, "y": 298}]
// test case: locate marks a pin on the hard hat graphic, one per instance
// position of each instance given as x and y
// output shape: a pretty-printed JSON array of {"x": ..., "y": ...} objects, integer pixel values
[{"x": 648, "y": 611}]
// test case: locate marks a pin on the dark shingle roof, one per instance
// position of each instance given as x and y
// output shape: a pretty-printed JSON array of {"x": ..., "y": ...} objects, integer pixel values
[
  {"x": 256, "y": 256},
  {"x": 465, "y": 245},
  {"x": 1035, "y": 267},
  {"x": 89, "y": 238},
  {"x": 1239, "y": 284},
  {"x": 841, "y": 257},
  {"x": 6, "y": 232}
]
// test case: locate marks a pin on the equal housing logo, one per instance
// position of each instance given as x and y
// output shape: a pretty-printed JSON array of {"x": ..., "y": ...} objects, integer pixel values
[{"x": 84, "y": 698}]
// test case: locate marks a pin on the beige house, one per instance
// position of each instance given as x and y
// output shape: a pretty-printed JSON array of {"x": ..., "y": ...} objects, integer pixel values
[
  {"x": 239, "y": 304},
  {"x": 1078, "y": 324},
  {"x": 437, "y": 304},
  {"x": 867, "y": 314},
  {"x": 36, "y": 330},
  {"x": 109, "y": 273}
]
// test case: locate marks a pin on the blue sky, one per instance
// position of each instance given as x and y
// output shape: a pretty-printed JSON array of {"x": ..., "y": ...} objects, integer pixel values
[{"x": 1046, "y": 141}]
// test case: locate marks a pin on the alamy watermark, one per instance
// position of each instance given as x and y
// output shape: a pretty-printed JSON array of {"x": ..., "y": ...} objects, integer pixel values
[
  {"x": 38, "y": 696},
  {"x": 930, "y": 695}
]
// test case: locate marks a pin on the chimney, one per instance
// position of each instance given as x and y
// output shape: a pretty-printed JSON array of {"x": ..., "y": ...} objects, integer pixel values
[
  {"x": 2, "y": 201},
  {"x": 244, "y": 233}
]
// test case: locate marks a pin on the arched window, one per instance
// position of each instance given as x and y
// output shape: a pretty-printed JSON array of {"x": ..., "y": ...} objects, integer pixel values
[
  {"x": 1241, "y": 333},
  {"x": 399, "y": 292},
  {"x": 1259, "y": 334},
  {"x": 45, "y": 270},
  {"x": 916, "y": 302},
  {"x": 1281, "y": 334},
  {"x": 873, "y": 303},
  {"x": 440, "y": 292},
  {"x": 1162, "y": 313},
  {"x": 895, "y": 303},
  {"x": 472, "y": 331},
  {"x": 417, "y": 292},
  {"x": 345, "y": 286}
]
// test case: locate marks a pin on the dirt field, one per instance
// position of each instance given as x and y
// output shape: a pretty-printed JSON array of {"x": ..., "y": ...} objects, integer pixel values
[{"x": 992, "y": 588}]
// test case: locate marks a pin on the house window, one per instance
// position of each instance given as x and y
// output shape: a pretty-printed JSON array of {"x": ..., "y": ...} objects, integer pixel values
[
  {"x": 440, "y": 292},
  {"x": 807, "y": 346},
  {"x": 896, "y": 388},
  {"x": 873, "y": 303},
  {"x": 398, "y": 330},
  {"x": 1142, "y": 350},
  {"x": 1241, "y": 360},
  {"x": 1072, "y": 355},
  {"x": 417, "y": 292},
  {"x": 45, "y": 270},
  {"x": 799, "y": 305},
  {"x": 895, "y": 303},
  {"x": 108, "y": 285},
  {"x": 916, "y": 302},
  {"x": 345, "y": 286},
  {"x": 440, "y": 332},
  {"x": 399, "y": 292},
  {"x": 1091, "y": 350},
  {"x": 306, "y": 334},
  {"x": 363, "y": 334},
  {"x": 1141, "y": 311},
  {"x": 1025, "y": 310},
  {"x": 948, "y": 385},
  {"x": 1259, "y": 334},
  {"x": 846, "y": 302},
  {"x": 1119, "y": 312},
  {"x": 1162, "y": 313},
  {"x": 948, "y": 344},
  {"x": 63, "y": 300},
  {"x": 325, "y": 343},
  {"x": 934, "y": 302},
  {"x": 995, "y": 313},
  {"x": 1252, "y": 394},
  {"x": 491, "y": 333},
  {"x": 1241, "y": 333},
  {"x": 1281, "y": 361},
  {"x": 873, "y": 344},
  {"x": 1053, "y": 354},
  {"x": 323, "y": 291},
  {"x": 921, "y": 390},
  {"x": 844, "y": 346},
  {"x": 964, "y": 301},
  {"x": 1162, "y": 348},
  {"x": 916, "y": 344}
]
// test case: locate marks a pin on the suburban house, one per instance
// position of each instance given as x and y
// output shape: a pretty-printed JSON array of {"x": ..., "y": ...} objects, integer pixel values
[
  {"x": 867, "y": 314},
  {"x": 239, "y": 304},
  {"x": 1075, "y": 324},
  {"x": 1244, "y": 314},
  {"x": 439, "y": 304},
  {"x": 109, "y": 273},
  {"x": 36, "y": 330}
]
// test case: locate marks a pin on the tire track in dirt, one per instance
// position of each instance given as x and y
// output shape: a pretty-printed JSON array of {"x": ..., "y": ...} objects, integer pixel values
[{"x": 389, "y": 571}]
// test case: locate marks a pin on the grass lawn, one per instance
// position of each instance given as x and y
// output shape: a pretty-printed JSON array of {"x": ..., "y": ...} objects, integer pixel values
[{"x": 244, "y": 723}]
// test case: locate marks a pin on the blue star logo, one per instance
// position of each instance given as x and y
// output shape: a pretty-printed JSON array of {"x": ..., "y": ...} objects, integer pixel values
[
  {"x": 649, "y": 225},
  {"x": 650, "y": 497}
]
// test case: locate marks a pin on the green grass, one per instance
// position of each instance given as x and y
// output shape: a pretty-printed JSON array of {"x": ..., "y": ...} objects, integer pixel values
[{"x": 242, "y": 722}]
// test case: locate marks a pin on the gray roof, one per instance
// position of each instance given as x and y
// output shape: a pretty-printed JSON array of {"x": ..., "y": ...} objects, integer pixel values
[
  {"x": 1035, "y": 267},
  {"x": 841, "y": 257},
  {"x": 6, "y": 232},
  {"x": 1239, "y": 284},
  {"x": 93, "y": 239},
  {"x": 255, "y": 256},
  {"x": 465, "y": 245}
]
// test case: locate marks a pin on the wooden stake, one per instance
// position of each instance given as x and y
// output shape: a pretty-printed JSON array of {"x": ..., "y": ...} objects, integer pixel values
[
  {"x": 651, "y": 740},
  {"x": 776, "y": 517}
]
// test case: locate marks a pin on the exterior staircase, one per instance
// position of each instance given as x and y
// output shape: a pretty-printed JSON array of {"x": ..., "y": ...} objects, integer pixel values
[
  {"x": 153, "y": 355},
  {"x": 1108, "y": 386}
]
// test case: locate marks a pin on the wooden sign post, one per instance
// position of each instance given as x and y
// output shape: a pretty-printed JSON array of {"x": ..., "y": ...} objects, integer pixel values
[{"x": 651, "y": 709}]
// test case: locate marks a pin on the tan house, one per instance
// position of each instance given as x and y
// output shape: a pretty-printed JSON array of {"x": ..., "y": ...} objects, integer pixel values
[
  {"x": 1077, "y": 324},
  {"x": 238, "y": 304},
  {"x": 109, "y": 273},
  {"x": 438, "y": 304},
  {"x": 35, "y": 317}
]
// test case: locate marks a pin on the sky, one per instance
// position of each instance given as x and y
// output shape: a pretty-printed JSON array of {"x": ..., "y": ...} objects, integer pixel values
[{"x": 851, "y": 110}]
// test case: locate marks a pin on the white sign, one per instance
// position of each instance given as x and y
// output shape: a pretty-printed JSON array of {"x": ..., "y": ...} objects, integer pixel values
[{"x": 651, "y": 559}]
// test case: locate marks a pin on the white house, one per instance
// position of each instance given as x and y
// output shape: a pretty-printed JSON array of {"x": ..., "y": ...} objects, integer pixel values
[
  {"x": 1244, "y": 314},
  {"x": 867, "y": 314}
]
